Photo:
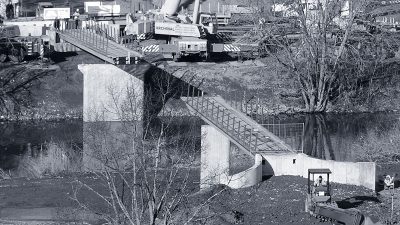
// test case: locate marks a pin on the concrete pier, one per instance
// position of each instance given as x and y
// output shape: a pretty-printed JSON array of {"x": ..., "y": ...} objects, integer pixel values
[
  {"x": 215, "y": 160},
  {"x": 214, "y": 157},
  {"x": 110, "y": 94}
]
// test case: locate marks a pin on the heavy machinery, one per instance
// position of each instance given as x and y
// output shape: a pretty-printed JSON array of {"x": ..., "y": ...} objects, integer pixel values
[
  {"x": 173, "y": 35},
  {"x": 16, "y": 48},
  {"x": 319, "y": 202}
]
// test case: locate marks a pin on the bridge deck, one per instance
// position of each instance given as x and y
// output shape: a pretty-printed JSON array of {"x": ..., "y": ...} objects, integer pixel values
[
  {"x": 99, "y": 44},
  {"x": 246, "y": 133}
]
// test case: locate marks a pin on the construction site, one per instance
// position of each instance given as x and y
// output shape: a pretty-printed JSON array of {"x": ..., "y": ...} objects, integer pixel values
[{"x": 199, "y": 112}]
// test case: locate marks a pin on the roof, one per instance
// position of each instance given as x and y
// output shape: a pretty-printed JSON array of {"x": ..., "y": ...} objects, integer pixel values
[{"x": 324, "y": 170}]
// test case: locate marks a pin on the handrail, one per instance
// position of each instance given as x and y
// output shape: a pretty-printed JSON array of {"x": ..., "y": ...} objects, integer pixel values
[{"x": 237, "y": 128}]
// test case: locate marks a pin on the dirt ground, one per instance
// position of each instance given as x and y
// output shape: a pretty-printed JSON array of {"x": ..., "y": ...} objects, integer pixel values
[{"x": 278, "y": 200}]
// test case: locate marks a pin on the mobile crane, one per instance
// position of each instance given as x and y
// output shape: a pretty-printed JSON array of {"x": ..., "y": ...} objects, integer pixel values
[{"x": 176, "y": 35}]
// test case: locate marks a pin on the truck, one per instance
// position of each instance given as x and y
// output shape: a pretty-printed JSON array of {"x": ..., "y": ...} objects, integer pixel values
[{"x": 16, "y": 48}]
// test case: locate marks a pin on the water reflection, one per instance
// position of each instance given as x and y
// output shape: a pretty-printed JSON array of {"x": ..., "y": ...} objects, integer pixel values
[
  {"x": 331, "y": 136},
  {"x": 31, "y": 149}
]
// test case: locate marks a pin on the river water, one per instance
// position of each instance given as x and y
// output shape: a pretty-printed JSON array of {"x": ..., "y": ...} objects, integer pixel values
[{"x": 321, "y": 136}]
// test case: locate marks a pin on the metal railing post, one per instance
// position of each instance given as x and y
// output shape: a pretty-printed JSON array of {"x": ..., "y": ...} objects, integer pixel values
[
  {"x": 228, "y": 122},
  {"x": 251, "y": 134},
  {"x": 255, "y": 146},
  {"x": 207, "y": 107},
  {"x": 197, "y": 103},
  {"x": 238, "y": 130},
  {"x": 212, "y": 109},
  {"x": 193, "y": 96},
  {"x": 223, "y": 116},
  {"x": 218, "y": 112},
  {"x": 107, "y": 47}
]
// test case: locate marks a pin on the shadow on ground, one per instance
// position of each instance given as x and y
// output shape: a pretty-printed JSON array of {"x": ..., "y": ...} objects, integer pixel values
[{"x": 356, "y": 201}]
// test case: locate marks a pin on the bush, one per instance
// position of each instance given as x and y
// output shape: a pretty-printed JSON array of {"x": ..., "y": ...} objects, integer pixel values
[
  {"x": 379, "y": 146},
  {"x": 55, "y": 158}
]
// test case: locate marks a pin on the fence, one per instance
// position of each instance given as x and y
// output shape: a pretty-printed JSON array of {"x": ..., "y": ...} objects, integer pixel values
[{"x": 291, "y": 133}]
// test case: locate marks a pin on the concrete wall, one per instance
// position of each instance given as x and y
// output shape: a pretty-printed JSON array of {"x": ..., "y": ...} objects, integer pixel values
[
  {"x": 110, "y": 94},
  {"x": 356, "y": 173},
  {"x": 247, "y": 178}
]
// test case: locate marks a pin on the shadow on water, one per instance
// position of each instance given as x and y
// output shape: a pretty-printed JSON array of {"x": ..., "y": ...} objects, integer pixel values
[{"x": 34, "y": 149}]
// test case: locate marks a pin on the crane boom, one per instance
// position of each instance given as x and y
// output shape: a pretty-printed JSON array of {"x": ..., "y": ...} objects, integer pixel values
[
  {"x": 196, "y": 12},
  {"x": 170, "y": 7}
]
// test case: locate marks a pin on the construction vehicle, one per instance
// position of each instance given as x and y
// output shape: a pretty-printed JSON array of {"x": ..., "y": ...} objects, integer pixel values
[
  {"x": 16, "y": 48},
  {"x": 173, "y": 35},
  {"x": 319, "y": 202}
]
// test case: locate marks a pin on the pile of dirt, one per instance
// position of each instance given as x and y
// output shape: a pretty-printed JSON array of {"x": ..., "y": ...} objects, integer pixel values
[{"x": 280, "y": 200}]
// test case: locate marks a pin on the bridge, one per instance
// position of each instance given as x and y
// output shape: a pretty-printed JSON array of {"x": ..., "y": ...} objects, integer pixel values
[
  {"x": 226, "y": 124},
  {"x": 102, "y": 42},
  {"x": 99, "y": 40}
]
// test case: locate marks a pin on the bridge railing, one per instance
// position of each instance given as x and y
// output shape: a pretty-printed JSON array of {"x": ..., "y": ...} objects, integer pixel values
[
  {"x": 94, "y": 33},
  {"x": 240, "y": 130}
]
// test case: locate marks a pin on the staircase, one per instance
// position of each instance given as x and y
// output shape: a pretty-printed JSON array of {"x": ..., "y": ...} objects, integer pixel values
[{"x": 238, "y": 127}]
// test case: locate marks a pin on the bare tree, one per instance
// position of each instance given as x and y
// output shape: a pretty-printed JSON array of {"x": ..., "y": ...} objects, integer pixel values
[
  {"x": 16, "y": 83},
  {"x": 326, "y": 54},
  {"x": 149, "y": 169}
]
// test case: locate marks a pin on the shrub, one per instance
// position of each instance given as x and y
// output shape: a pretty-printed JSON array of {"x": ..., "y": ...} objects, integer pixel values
[{"x": 379, "y": 146}]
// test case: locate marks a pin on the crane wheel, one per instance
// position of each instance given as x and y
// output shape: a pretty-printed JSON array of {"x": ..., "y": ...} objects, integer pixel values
[
  {"x": 3, "y": 57},
  {"x": 13, "y": 56},
  {"x": 17, "y": 55}
]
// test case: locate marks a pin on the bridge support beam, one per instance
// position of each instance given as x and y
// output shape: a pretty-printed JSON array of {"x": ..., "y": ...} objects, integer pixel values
[
  {"x": 111, "y": 94},
  {"x": 214, "y": 157}
]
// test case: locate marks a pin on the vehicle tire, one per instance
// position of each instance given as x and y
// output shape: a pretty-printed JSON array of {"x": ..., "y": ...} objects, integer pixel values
[
  {"x": 206, "y": 57},
  {"x": 3, "y": 57},
  {"x": 175, "y": 57},
  {"x": 17, "y": 54}
]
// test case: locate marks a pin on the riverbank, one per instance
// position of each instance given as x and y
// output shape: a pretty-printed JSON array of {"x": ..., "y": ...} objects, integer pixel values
[
  {"x": 263, "y": 86},
  {"x": 57, "y": 94},
  {"x": 267, "y": 86},
  {"x": 262, "y": 204}
]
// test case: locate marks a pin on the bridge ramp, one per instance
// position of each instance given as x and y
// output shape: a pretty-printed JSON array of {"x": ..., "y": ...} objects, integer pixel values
[
  {"x": 243, "y": 131},
  {"x": 100, "y": 44}
]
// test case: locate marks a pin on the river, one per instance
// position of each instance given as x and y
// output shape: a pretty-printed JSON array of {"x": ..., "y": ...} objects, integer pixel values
[{"x": 330, "y": 136}]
